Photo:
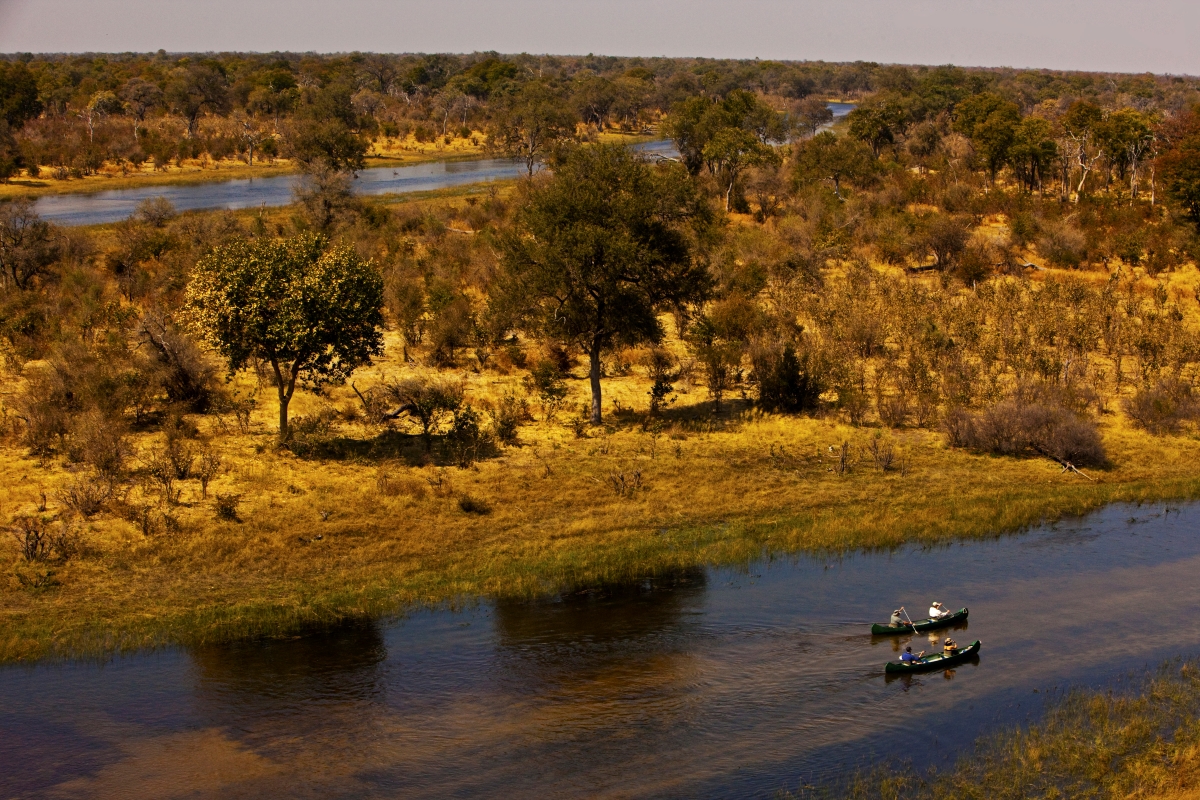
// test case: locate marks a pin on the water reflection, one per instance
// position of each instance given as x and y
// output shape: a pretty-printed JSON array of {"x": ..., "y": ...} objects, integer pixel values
[
  {"x": 331, "y": 667},
  {"x": 700, "y": 683},
  {"x": 603, "y": 661}
]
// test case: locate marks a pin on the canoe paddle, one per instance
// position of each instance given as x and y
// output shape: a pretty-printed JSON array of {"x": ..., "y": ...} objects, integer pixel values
[{"x": 907, "y": 617}]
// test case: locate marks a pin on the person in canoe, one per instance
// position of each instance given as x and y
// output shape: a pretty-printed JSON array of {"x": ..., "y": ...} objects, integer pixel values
[
  {"x": 949, "y": 647},
  {"x": 897, "y": 620},
  {"x": 908, "y": 657},
  {"x": 937, "y": 610}
]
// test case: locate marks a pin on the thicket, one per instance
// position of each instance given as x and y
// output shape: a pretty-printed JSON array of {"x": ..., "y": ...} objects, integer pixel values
[{"x": 893, "y": 274}]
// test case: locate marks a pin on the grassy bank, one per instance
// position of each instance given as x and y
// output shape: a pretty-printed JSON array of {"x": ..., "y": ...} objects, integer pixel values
[
  {"x": 1140, "y": 741},
  {"x": 366, "y": 521}
]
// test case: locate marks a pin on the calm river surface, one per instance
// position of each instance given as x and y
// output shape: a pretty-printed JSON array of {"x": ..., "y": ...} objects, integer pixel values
[
  {"x": 104, "y": 207},
  {"x": 716, "y": 682},
  {"x": 113, "y": 206}
]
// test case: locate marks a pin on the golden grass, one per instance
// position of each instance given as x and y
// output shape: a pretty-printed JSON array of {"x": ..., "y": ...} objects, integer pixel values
[{"x": 728, "y": 490}]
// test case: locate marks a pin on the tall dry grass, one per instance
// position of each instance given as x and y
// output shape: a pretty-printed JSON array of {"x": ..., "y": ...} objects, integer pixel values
[{"x": 1142, "y": 741}]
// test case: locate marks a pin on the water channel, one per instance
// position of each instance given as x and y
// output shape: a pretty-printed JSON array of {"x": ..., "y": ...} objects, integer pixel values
[
  {"x": 113, "y": 206},
  {"x": 710, "y": 682}
]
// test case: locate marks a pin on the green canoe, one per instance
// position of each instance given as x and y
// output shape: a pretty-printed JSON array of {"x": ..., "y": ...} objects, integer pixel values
[
  {"x": 935, "y": 661},
  {"x": 919, "y": 625}
]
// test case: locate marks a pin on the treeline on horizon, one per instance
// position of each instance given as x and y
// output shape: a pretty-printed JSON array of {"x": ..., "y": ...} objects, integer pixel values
[
  {"x": 74, "y": 114},
  {"x": 995, "y": 254}
]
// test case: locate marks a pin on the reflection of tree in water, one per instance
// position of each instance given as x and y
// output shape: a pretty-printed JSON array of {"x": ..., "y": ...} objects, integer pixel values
[
  {"x": 317, "y": 674},
  {"x": 608, "y": 656}
]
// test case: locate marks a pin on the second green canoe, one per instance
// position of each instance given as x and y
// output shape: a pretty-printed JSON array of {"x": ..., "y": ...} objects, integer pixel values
[
  {"x": 920, "y": 625},
  {"x": 935, "y": 661}
]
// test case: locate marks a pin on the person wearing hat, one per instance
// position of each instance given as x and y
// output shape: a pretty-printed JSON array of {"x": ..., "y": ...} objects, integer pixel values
[
  {"x": 897, "y": 620},
  {"x": 907, "y": 656},
  {"x": 937, "y": 610},
  {"x": 949, "y": 647}
]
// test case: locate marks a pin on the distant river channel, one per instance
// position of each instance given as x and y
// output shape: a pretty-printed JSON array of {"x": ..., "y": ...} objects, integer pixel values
[
  {"x": 703, "y": 683},
  {"x": 113, "y": 206}
]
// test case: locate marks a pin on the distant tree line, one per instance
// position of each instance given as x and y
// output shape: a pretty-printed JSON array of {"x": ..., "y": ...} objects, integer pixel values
[{"x": 74, "y": 114}]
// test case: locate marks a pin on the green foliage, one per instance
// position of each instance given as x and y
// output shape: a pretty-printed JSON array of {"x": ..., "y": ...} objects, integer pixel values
[
  {"x": 545, "y": 380},
  {"x": 838, "y": 160},
  {"x": 877, "y": 122},
  {"x": 467, "y": 439},
  {"x": 487, "y": 77},
  {"x": 786, "y": 381},
  {"x": 197, "y": 87},
  {"x": 598, "y": 249},
  {"x": 19, "y": 99},
  {"x": 1180, "y": 165},
  {"x": 312, "y": 312},
  {"x": 530, "y": 123},
  {"x": 726, "y": 134}
]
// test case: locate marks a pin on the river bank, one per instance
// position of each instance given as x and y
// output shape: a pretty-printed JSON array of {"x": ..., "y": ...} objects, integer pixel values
[{"x": 366, "y": 524}]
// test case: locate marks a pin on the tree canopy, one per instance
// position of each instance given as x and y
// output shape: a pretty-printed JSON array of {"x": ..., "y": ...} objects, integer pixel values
[
  {"x": 599, "y": 248},
  {"x": 311, "y": 311}
]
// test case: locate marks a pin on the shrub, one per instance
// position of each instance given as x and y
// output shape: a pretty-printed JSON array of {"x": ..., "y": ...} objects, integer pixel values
[
  {"x": 86, "y": 496},
  {"x": 545, "y": 380},
  {"x": 467, "y": 440},
  {"x": 227, "y": 507},
  {"x": 1163, "y": 407},
  {"x": 186, "y": 374},
  {"x": 428, "y": 402},
  {"x": 663, "y": 370},
  {"x": 33, "y": 537},
  {"x": 507, "y": 417},
  {"x": 1063, "y": 246},
  {"x": 207, "y": 467},
  {"x": 786, "y": 381},
  {"x": 99, "y": 442},
  {"x": 1017, "y": 426},
  {"x": 39, "y": 540}
]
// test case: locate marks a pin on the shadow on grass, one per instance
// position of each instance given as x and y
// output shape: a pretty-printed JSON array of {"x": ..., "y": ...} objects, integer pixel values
[{"x": 388, "y": 445}]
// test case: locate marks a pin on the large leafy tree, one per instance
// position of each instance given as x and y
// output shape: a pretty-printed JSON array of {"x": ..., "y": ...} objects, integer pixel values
[
  {"x": 991, "y": 122},
  {"x": 599, "y": 248},
  {"x": 530, "y": 123},
  {"x": 1179, "y": 163},
  {"x": 836, "y": 159},
  {"x": 1033, "y": 151},
  {"x": 18, "y": 94},
  {"x": 704, "y": 129},
  {"x": 197, "y": 87},
  {"x": 878, "y": 122},
  {"x": 311, "y": 311}
]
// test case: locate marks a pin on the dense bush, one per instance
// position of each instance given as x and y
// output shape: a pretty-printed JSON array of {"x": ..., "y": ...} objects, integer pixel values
[
  {"x": 1021, "y": 427},
  {"x": 786, "y": 381},
  {"x": 1163, "y": 406}
]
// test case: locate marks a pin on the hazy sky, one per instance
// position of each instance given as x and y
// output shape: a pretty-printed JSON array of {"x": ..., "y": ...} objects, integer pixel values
[{"x": 1116, "y": 35}]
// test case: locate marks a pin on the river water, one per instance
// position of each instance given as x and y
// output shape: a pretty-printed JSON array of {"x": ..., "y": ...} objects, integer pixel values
[
  {"x": 711, "y": 682},
  {"x": 113, "y": 206}
]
